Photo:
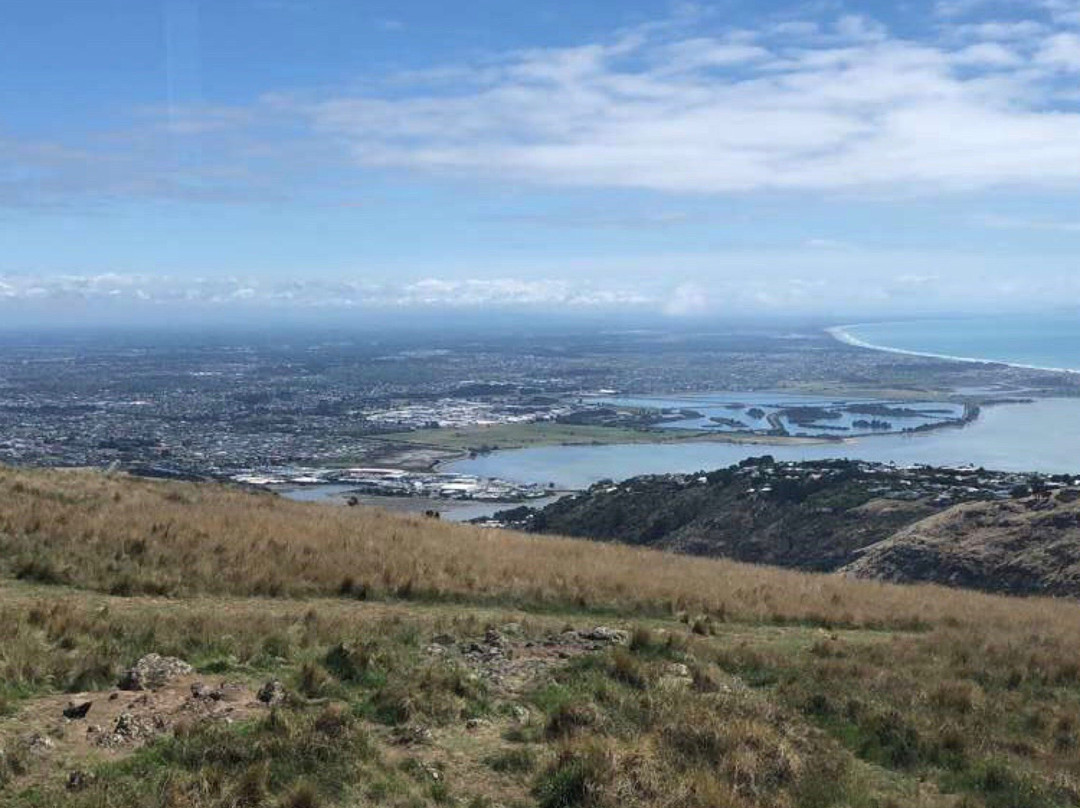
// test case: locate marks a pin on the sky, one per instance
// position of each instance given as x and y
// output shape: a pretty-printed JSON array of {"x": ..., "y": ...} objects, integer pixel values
[{"x": 328, "y": 159}]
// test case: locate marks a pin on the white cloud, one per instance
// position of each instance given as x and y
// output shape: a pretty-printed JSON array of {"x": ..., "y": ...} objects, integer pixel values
[
  {"x": 996, "y": 30},
  {"x": 987, "y": 54},
  {"x": 806, "y": 281},
  {"x": 1061, "y": 52},
  {"x": 680, "y": 106},
  {"x": 687, "y": 300},
  {"x": 480, "y": 293},
  {"x": 847, "y": 107},
  {"x": 1062, "y": 12}
]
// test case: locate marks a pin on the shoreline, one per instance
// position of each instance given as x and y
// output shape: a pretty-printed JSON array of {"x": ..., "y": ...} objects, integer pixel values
[{"x": 841, "y": 334}]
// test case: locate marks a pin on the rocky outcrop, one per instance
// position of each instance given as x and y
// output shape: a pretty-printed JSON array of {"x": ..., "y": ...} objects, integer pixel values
[{"x": 153, "y": 672}]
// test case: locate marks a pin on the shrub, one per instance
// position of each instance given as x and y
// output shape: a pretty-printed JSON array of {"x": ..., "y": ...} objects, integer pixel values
[
  {"x": 313, "y": 681},
  {"x": 641, "y": 640},
  {"x": 569, "y": 718},
  {"x": 625, "y": 668},
  {"x": 512, "y": 760},
  {"x": 577, "y": 778}
]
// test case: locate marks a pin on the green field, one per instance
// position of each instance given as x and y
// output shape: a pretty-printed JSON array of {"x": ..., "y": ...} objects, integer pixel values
[{"x": 520, "y": 436}]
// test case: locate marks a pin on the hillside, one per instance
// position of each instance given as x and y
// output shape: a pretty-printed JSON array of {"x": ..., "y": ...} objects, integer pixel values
[
  {"x": 811, "y": 515},
  {"x": 350, "y": 657},
  {"x": 1024, "y": 546},
  {"x": 865, "y": 519}
]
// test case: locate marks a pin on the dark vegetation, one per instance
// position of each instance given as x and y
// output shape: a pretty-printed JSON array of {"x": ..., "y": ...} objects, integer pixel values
[
  {"x": 1016, "y": 533},
  {"x": 811, "y": 516}
]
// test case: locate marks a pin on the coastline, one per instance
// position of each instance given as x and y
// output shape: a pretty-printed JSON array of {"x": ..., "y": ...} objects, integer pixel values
[{"x": 841, "y": 334}]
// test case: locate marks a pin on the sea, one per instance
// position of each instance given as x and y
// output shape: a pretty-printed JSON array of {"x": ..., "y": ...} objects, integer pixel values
[
  {"x": 1047, "y": 341},
  {"x": 1042, "y": 436}
]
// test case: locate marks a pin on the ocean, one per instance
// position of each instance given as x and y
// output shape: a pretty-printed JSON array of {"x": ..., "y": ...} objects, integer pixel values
[{"x": 1047, "y": 341}]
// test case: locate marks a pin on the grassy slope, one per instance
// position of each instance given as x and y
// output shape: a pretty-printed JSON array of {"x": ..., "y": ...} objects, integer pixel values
[
  {"x": 819, "y": 530},
  {"x": 1021, "y": 545},
  {"x": 797, "y": 690}
]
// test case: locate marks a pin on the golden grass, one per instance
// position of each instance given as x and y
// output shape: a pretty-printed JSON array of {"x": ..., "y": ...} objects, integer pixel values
[{"x": 132, "y": 536}]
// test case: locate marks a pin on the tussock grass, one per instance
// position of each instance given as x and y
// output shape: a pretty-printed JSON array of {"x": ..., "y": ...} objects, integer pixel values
[
  {"x": 739, "y": 686},
  {"x": 128, "y": 536},
  {"x": 313, "y": 759}
]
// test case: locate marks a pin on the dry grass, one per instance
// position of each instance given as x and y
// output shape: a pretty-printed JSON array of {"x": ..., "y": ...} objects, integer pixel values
[
  {"x": 798, "y": 691},
  {"x": 129, "y": 536}
]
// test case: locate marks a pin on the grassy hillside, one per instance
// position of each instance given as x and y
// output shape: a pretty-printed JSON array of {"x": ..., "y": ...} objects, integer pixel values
[
  {"x": 1028, "y": 545},
  {"x": 869, "y": 521},
  {"x": 434, "y": 664},
  {"x": 720, "y": 515}
]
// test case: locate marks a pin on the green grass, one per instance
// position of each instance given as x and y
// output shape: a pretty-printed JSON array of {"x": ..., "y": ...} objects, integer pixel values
[{"x": 520, "y": 436}]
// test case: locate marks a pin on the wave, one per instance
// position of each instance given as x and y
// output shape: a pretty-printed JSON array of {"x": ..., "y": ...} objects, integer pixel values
[{"x": 842, "y": 334}]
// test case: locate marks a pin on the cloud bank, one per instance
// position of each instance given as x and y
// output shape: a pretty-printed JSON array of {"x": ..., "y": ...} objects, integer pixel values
[{"x": 746, "y": 286}]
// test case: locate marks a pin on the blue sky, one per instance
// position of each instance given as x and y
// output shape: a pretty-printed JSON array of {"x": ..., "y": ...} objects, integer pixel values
[{"x": 270, "y": 157}]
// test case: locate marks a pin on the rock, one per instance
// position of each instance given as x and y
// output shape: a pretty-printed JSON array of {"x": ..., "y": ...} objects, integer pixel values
[
  {"x": 36, "y": 742},
  {"x": 676, "y": 675},
  {"x": 199, "y": 690},
  {"x": 603, "y": 634},
  {"x": 678, "y": 669},
  {"x": 126, "y": 725},
  {"x": 273, "y": 692},
  {"x": 476, "y": 723},
  {"x": 412, "y": 735},
  {"x": 228, "y": 691},
  {"x": 431, "y": 771},
  {"x": 131, "y": 728},
  {"x": 153, "y": 672},
  {"x": 493, "y": 649},
  {"x": 77, "y": 710},
  {"x": 435, "y": 650},
  {"x": 520, "y": 713}
]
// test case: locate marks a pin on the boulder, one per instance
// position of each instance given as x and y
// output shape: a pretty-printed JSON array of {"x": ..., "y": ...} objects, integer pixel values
[
  {"x": 603, "y": 634},
  {"x": 154, "y": 672}
]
